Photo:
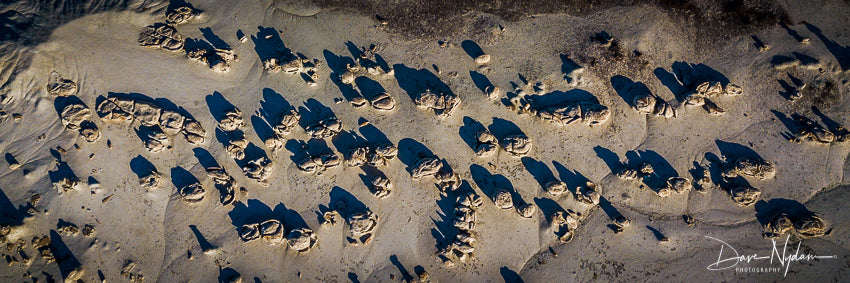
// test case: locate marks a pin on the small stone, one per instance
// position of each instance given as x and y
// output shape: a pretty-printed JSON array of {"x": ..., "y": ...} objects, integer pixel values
[{"x": 483, "y": 59}]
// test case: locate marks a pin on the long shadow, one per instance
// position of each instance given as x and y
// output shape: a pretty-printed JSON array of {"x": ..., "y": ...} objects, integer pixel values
[
  {"x": 541, "y": 173},
  {"x": 202, "y": 241},
  {"x": 181, "y": 177},
  {"x": 471, "y": 48},
  {"x": 609, "y": 157},
  {"x": 572, "y": 178},
  {"x": 663, "y": 169},
  {"x": 141, "y": 166},
  {"x": 11, "y": 215},
  {"x": 218, "y": 105},
  {"x": 757, "y": 42},
  {"x": 568, "y": 65},
  {"x": 830, "y": 124},
  {"x": 765, "y": 210},
  {"x": 337, "y": 65},
  {"x": 686, "y": 76},
  {"x": 405, "y": 275},
  {"x": 298, "y": 149},
  {"x": 63, "y": 170},
  {"x": 213, "y": 39},
  {"x": 313, "y": 111},
  {"x": 469, "y": 130},
  {"x": 227, "y": 275},
  {"x": 548, "y": 207},
  {"x": 788, "y": 90},
  {"x": 658, "y": 235},
  {"x": 346, "y": 141},
  {"x": 350, "y": 203},
  {"x": 353, "y": 277},
  {"x": 609, "y": 208},
  {"x": 353, "y": 49},
  {"x": 560, "y": 98},
  {"x": 272, "y": 47},
  {"x": 273, "y": 106},
  {"x": 791, "y": 32},
  {"x": 480, "y": 80},
  {"x": 262, "y": 127},
  {"x": 444, "y": 231},
  {"x": 61, "y": 102},
  {"x": 415, "y": 82},
  {"x": 205, "y": 158},
  {"x": 509, "y": 275},
  {"x": 373, "y": 134},
  {"x": 734, "y": 151},
  {"x": 715, "y": 168},
  {"x": 628, "y": 89},
  {"x": 302, "y": 149},
  {"x": 410, "y": 150},
  {"x": 841, "y": 53},
  {"x": 789, "y": 123},
  {"x": 10, "y": 159},
  {"x": 502, "y": 128},
  {"x": 368, "y": 87},
  {"x": 692, "y": 75},
  {"x": 252, "y": 211},
  {"x": 490, "y": 183},
  {"x": 64, "y": 257},
  {"x": 290, "y": 218}
]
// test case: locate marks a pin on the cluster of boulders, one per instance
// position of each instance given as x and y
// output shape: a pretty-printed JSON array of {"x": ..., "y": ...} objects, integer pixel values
[
  {"x": 446, "y": 179},
  {"x": 644, "y": 171},
  {"x": 567, "y": 223},
  {"x": 590, "y": 193},
  {"x": 162, "y": 36},
  {"x": 745, "y": 195},
  {"x": 586, "y": 112},
  {"x": 380, "y": 101},
  {"x": 151, "y": 180},
  {"x": 325, "y": 128},
  {"x": 443, "y": 104},
  {"x": 648, "y": 103},
  {"x": 703, "y": 92},
  {"x": 225, "y": 184},
  {"x": 290, "y": 63},
  {"x": 74, "y": 114},
  {"x": 361, "y": 227},
  {"x": 486, "y": 144},
  {"x": 377, "y": 155},
  {"x": 160, "y": 123},
  {"x": 380, "y": 185},
  {"x": 281, "y": 128},
  {"x": 808, "y": 130},
  {"x": 272, "y": 231},
  {"x": 260, "y": 168},
  {"x": 318, "y": 163},
  {"x": 165, "y": 35},
  {"x": 806, "y": 225},
  {"x": 365, "y": 64},
  {"x": 218, "y": 59},
  {"x": 465, "y": 218},
  {"x": 589, "y": 113}
]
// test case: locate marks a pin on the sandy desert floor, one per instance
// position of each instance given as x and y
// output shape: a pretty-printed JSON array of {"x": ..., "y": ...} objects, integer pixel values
[{"x": 558, "y": 100}]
